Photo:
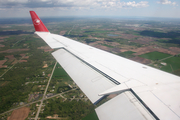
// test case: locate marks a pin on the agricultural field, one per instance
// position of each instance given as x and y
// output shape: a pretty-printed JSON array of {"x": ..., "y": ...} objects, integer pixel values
[
  {"x": 155, "y": 55},
  {"x": 26, "y": 62},
  {"x": 163, "y": 61},
  {"x": 173, "y": 64},
  {"x": 127, "y": 54}
]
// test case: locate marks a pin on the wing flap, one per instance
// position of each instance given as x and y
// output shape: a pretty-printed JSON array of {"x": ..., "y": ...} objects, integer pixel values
[
  {"x": 163, "y": 100},
  {"x": 125, "y": 106}
]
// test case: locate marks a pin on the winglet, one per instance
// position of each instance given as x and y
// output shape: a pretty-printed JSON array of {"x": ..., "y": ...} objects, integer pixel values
[{"x": 38, "y": 24}]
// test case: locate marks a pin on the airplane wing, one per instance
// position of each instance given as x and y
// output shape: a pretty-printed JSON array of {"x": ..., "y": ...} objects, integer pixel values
[{"x": 142, "y": 92}]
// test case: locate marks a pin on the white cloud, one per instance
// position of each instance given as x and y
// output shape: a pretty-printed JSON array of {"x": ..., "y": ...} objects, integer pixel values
[
  {"x": 71, "y": 3},
  {"x": 134, "y": 4},
  {"x": 166, "y": 2},
  {"x": 115, "y": 4}
]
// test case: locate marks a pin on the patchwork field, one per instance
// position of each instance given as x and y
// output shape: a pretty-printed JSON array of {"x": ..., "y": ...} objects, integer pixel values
[
  {"x": 27, "y": 62},
  {"x": 155, "y": 55},
  {"x": 173, "y": 64},
  {"x": 163, "y": 61}
]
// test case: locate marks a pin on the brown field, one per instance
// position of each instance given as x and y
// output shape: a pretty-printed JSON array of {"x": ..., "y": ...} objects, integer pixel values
[
  {"x": 116, "y": 48},
  {"x": 90, "y": 37},
  {"x": 45, "y": 66},
  {"x": 14, "y": 62},
  {"x": 2, "y": 45},
  {"x": 13, "y": 50},
  {"x": 19, "y": 114},
  {"x": 63, "y": 32},
  {"x": 55, "y": 116},
  {"x": 123, "y": 50},
  {"x": 1, "y": 64},
  {"x": 101, "y": 47},
  {"x": 23, "y": 61},
  {"x": 175, "y": 50},
  {"x": 10, "y": 56},
  {"x": 94, "y": 43},
  {"x": 143, "y": 50},
  {"x": 45, "y": 48},
  {"x": 48, "y": 50},
  {"x": 143, "y": 40},
  {"x": 115, "y": 44},
  {"x": 141, "y": 60},
  {"x": 3, "y": 38}
]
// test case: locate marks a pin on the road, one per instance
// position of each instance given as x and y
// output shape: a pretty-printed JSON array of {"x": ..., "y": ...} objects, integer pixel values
[
  {"x": 71, "y": 30},
  {"x": 44, "y": 96},
  {"x": 166, "y": 58},
  {"x": 163, "y": 59},
  {"x": 18, "y": 42},
  {"x": 21, "y": 106},
  {"x": 37, "y": 114},
  {"x": 60, "y": 94},
  {"x": 12, "y": 66}
]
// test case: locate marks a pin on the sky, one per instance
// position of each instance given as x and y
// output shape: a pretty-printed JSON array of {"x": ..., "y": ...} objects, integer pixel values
[{"x": 78, "y": 8}]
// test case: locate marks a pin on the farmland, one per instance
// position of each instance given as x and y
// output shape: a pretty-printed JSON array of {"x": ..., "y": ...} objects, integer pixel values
[
  {"x": 155, "y": 55},
  {"x": 165, "y": 62},
  {"x": 26, "y": 62}
]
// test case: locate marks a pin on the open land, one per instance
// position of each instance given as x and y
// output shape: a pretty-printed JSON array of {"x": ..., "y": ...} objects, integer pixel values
[
  {"x": 30, "y": 85},
  {"x": 19, "y": 114}
]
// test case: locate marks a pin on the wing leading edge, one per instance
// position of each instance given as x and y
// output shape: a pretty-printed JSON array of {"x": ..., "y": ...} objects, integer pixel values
[{"x": 148, "y": 92}]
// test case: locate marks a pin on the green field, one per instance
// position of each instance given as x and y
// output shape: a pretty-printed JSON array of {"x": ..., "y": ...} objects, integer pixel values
[
  {"x": 60, "y": 81},
  {"x": 107, "y": 45},
  {"x": 91, "y": 116},
  {"x": 154, "y": 55},
  {"x": 59, "y": 72},
  {"x": 173, "y": 64},
  {"x": 127, "y": 54}
]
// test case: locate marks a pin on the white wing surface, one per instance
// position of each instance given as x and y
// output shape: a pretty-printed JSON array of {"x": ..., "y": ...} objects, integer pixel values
[{"x": 144, "y": 92}]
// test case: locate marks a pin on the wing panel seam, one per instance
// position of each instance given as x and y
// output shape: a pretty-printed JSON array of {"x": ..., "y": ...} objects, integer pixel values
[
  {"x": 94, "y": 68},
  {"x": 151, "y": 112}
]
